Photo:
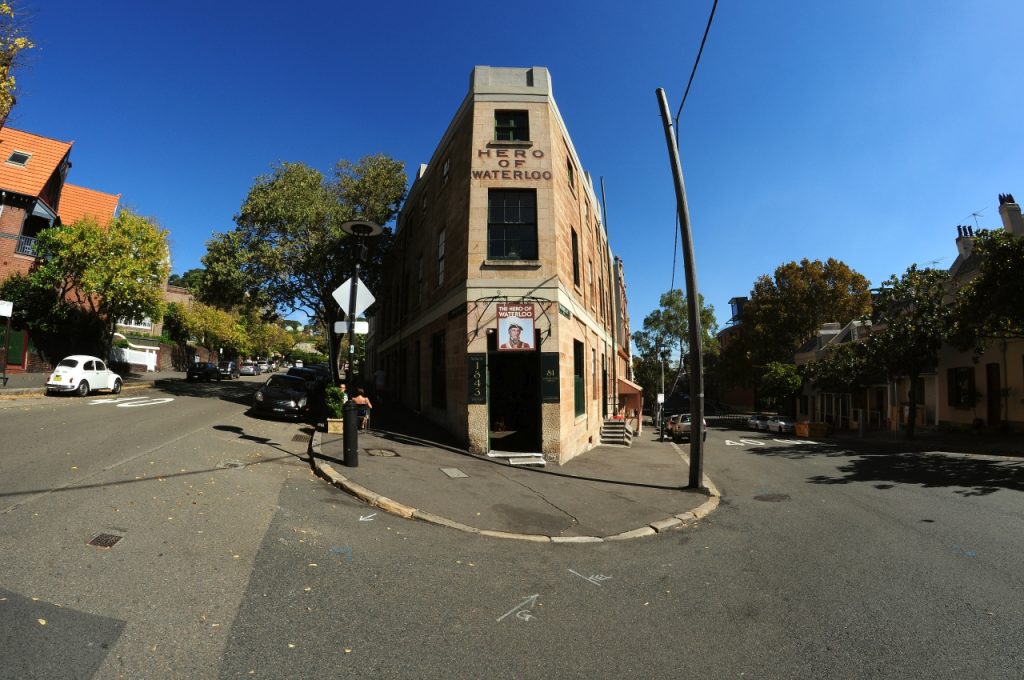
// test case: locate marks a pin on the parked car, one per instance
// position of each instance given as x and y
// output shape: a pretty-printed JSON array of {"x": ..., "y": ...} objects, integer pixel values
[
  {"x": 758, "y": 422},
  {"x": 203, "y": 370},
  {"x": 249, "y": 368},
  {"x": 228, "y": 369},
  {"x": 668, "y": 423},
  {"x": 780, "y": 424},
  {"x": 284, "y": 396},
  {"x": 315, "y": 388},
  {"x": 263, "y": 365},
  {"x": 681, "y": 429},
  {"x": 82, "y": 373}
]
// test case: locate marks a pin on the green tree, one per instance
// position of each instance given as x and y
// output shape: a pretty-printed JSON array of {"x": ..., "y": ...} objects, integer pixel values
[
  {"x": 845, "y": 367},
  {"x": 780, "y": 381},
  {"x": 665, "y": 337},
  {"x": 115, "y": 272},
  {"x": 57, "y": 327},
  {"x": 191, "y": 279},
  {"x": 914, "y": 317},
  {"x": 288, "y": 252},
  {"x": 786, "y": 310},
  {"x": 990, "y": 306},
  {"x": 13, "y": 43}
]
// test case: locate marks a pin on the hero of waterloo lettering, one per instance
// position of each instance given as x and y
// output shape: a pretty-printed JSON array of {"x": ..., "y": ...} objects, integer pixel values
[{"x": 512, "y": 163}]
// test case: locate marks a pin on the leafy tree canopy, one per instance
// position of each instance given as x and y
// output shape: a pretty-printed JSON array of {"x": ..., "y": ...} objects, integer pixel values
[
  {"x": 914, "y": 319},
  {"x": 990, "y": 306},
  {"x": 780, "y": 381},
  {"x": 288, "y": 251},
  {"x": 665, "y": 337},
  {"x": 13, "y": 42},
  {"x": 115, "y": 272},
  {"x": 787, "y": 309},
  {"x": 191, "y": 279}
]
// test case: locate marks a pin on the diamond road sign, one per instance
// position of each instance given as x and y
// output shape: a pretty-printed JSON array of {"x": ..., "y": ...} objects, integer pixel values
[{"x": 364, "y": 298}]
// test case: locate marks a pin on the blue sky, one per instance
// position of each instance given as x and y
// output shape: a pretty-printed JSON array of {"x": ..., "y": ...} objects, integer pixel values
[{"x": 862, "y": 130}]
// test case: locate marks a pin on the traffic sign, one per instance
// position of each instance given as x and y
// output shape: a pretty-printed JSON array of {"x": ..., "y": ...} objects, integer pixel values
[
  {"x": 364, "y": 298},
  {"x": 361, "y": 327},
  {"x": 6, "y": 307}
]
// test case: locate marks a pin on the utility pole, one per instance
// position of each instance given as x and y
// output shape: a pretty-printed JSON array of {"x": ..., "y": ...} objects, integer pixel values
[{"x": 692, "y": 304}]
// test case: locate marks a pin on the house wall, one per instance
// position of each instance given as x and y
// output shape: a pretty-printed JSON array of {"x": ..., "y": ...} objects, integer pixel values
[
  {"x": 1008, "y": 359},
  {"x": 12, "y": 218}
]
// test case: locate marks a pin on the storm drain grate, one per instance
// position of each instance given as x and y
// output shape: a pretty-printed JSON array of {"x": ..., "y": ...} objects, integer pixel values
[
  {"x": 300, "y": 438},
  {"x": 232, "y": 464},
  {"x": 105, "y": 540},
  {"x": 384, "y": 453}
]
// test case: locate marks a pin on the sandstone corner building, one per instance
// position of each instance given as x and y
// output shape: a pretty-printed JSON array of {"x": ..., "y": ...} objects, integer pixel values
[{"x": 503, "y": 313}]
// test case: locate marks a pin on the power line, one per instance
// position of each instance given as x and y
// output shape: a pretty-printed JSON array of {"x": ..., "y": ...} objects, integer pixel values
[
  {"x": 707, "y": 29},
  {"x": 696, "y": 61}
]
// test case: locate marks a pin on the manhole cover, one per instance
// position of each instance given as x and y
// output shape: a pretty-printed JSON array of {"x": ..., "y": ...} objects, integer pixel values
[
  {"x": 772, "y": 497},
  {"x": 105, "y": 540},
  {"x": 232, "y": 464},
  {"x": 300, "y": 438},
  {"x": 384, "y": 453}
]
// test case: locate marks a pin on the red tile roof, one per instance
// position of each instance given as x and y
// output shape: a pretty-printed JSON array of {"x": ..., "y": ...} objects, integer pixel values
[
  {"x": 46, "y": 156},
  {"x": 77, "y": 202}
]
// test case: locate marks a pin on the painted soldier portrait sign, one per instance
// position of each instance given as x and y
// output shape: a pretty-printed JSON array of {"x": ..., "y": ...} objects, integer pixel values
[{"x": 515, "y": 326}]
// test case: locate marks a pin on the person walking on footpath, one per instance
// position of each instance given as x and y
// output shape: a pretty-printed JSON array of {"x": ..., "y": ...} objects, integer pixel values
[{"x": 364, "y": 407}]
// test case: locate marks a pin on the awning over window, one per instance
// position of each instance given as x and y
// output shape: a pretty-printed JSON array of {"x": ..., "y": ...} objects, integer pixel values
[{"x": 629, "y": 387}]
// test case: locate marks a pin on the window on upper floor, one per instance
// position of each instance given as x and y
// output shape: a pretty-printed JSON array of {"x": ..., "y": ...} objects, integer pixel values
[
  {"x": 512, "y": 224},
  {"x": 575, "y": 258},
  {"x": 511, "y": 126},
  {"x": 440, "y": 256},
  {"x": 445, "y": 167},
  {"x": 570, "y": 170}
]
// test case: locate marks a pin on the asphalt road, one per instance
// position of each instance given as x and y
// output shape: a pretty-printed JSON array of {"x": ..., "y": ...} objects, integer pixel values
[{"x": 819, "y": 563}]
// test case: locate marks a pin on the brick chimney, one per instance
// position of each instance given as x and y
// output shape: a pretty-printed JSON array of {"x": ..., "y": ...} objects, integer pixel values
[
  {"x": 964, "y": 240},
  {"x": 1013, "y": 223}
]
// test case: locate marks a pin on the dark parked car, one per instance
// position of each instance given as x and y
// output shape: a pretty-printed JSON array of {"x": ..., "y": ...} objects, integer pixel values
[
  {"x": 228, "y": 369},
  {"x": 315, "y": 385},
  {"x": 284, "y": 396},
  {"x": 204, "y": 370}
]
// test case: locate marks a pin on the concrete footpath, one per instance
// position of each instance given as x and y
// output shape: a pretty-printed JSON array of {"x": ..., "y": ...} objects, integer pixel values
[{"x": 608, "y": 493}]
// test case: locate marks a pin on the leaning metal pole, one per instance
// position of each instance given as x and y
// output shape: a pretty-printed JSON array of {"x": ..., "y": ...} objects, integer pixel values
[{"x": 692, "y": 306}]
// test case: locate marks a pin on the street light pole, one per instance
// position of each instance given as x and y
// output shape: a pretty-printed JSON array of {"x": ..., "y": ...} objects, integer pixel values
[{"x": 349, "y": 412}]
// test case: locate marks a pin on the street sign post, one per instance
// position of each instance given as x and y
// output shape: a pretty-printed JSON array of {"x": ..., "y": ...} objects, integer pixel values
[{"x": 6, "y": 310}]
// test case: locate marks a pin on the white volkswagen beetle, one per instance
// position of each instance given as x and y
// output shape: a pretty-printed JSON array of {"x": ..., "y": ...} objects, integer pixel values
[{"x": 82, "y": 373}]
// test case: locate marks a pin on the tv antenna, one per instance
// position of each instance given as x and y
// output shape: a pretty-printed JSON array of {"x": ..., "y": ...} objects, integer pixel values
[{"x": 976, "y": 214}]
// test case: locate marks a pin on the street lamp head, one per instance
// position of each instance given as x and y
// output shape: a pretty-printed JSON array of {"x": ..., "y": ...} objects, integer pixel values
[{"x": 362, "y": 228}]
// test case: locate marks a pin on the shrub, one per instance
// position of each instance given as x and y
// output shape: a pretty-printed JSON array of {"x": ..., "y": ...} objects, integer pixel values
[{"x": 334, "y": 399}]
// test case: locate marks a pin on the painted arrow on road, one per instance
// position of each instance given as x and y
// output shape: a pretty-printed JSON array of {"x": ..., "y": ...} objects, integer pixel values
[{"x": 368, "y": 518}]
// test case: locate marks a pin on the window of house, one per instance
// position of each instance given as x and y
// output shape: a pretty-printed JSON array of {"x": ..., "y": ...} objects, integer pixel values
[
  {"x": 575, "y": 258},
  {"x": 579, "y": 388},
  {"x": 438, "y": 387},
  {"x": 19, "y": 158},
  {"x": 511, "y": 126},
  {"x": 571, "y": 171},
  {"x": 512, "y": 224},
  {"x": 440, "y": 256},
  {"x": 590, "y": 280},
  {"x": 419, "y": 280},
  {"x": 960, "y": 386},
  {"x": 444, "y": 170}
]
